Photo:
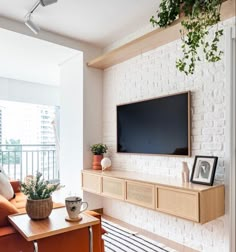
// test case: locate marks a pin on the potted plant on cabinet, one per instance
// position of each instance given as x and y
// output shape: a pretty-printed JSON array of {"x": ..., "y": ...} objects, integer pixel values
[
  {"x": 39, "y": 202},
  {"x": 200, "y": 16},
  {"x": 98, "y": 150}
]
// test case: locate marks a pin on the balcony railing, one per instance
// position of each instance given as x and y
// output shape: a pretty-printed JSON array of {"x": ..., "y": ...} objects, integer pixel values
[{"x": 18, "y": 161}]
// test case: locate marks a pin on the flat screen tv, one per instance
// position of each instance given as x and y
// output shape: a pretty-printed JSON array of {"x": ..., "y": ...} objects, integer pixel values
[{"x": 157, "y": 126}]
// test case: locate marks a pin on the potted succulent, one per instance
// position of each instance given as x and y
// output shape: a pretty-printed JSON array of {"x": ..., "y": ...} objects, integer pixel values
[
  {"x": 200, "y": 16},
  {"x": 39, "y": 202},
  {"x": 98, "y": 150}
]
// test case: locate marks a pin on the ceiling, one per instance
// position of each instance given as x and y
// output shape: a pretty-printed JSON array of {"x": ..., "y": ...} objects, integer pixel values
[
  {"x": 99, "y": 22},
  {"x": 31, "y": 59}
]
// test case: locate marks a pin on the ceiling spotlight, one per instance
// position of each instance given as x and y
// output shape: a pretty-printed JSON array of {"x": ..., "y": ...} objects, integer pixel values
[
  {"x": 47, "y": 2},
  {"x": 33, "y": 27},
  {"x": 28, "y": 22}
]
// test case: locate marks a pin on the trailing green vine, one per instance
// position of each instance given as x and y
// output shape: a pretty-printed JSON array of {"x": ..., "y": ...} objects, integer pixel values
[{"x": 200, "y": 15}]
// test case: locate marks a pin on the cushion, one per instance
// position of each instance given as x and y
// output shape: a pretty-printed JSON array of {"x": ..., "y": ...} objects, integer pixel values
[
  {"x": 15, "y": 185},
  {"x": 19, "y": 201},
  {"x": 6, "y": 189},
  {"x": 6, "y": 208}
]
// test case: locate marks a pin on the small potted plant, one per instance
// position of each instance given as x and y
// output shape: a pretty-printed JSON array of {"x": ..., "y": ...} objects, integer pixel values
[
  {"x": 39, "y": 202},
  {"x": 98, "y": 150}
]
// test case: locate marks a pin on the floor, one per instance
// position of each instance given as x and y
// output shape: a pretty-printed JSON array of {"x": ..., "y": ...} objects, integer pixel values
[{"x": 171, "y": 244}]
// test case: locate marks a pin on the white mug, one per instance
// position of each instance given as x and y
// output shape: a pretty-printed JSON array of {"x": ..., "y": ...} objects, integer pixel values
[{"x": 74, "y": 206}]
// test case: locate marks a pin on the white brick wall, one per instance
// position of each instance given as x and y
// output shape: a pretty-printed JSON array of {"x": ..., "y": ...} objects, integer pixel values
[{"x": 151, "y": 75}]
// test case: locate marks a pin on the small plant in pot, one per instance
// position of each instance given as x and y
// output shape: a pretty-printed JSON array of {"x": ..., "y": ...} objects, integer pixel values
[
  {"x": 39, "y": 202},
  {"x": 98, "y": 150}
]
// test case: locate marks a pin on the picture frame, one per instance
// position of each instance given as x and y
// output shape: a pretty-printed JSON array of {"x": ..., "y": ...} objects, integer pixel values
[{"x": 203, "y": 171}]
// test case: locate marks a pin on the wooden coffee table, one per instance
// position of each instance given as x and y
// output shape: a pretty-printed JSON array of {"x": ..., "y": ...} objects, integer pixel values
[{"x": 55, "y": 224}]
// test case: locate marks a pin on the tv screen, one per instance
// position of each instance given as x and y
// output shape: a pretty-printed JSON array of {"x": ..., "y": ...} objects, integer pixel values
[{"x": 156, "y": 126}]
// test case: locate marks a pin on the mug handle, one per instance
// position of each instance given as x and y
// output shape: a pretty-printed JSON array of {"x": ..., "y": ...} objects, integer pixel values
[{"x": 82, "y": 203}]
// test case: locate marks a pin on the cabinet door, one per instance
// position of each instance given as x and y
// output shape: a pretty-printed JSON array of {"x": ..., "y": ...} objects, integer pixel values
[
  {"x": 113, "y": 187},
  {"x": 91, "y": 183},
  {"x": 180, "y": 203},
  {"x": 140, "y": 193}
]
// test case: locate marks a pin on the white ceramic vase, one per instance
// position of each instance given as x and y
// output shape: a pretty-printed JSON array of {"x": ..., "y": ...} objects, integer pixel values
[
  {"x": 185, "y": 172},
  {"x": 105, "y": 163}
]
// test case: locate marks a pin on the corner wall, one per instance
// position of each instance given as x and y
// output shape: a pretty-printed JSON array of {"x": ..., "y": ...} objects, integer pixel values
[
  {"x": 151, "y": 75},
  {"x": 71, "y": 123}
]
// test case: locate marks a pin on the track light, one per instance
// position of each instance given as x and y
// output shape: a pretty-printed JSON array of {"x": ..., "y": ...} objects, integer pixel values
[
  {"x": 47, "y": 2},
  {"x": 28, "y": 22},
  {"x": 33, "y": 27}
]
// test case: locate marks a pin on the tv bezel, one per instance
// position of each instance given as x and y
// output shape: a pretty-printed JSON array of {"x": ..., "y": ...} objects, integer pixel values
[{"x": 156, "y": 154}]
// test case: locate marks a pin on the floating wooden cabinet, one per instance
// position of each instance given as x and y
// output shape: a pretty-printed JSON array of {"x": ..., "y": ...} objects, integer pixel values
[
  {"x": 91, "y": 183},
  {"x": 141, "y": 194},
  {"x": 199, "y": 206},
  {"x": 212, "y": 203},
  {"x": 180, "y": 203},
  {"x": 198, "y": 203},
  {"x": 113, "y": 187}
]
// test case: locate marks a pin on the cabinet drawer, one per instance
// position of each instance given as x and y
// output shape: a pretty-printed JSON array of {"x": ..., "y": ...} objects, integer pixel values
[
  {"x": 140, "y": 193},
  {"x": 91, "y": 183},
  {"x": 114, "y": 188},
  {"x": 180, "y": 203}
]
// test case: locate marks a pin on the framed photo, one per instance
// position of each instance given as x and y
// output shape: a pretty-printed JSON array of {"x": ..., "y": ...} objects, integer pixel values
[{"x": 204, "y": 168}]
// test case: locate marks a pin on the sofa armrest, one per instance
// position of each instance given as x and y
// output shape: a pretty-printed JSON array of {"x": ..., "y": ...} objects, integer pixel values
[
  {"x": 6, "y": 230},
  {"x": 15, "y": 185}
]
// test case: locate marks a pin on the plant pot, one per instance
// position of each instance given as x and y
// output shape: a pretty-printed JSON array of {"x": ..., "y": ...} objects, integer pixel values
[
  {"x": 181, "y": 10},
  {"x": 39, "y": 209},
  {"x": 97, "y": 162}
]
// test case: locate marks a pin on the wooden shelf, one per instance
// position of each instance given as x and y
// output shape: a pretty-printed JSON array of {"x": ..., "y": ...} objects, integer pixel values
[
  {"x": 150, "y": 41},
  {"x": 140, "y": 177},
  {"x": 198, "y": 203}
]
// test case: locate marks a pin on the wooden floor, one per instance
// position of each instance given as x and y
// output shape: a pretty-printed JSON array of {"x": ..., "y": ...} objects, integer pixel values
[{"x": 169, "y": 243}]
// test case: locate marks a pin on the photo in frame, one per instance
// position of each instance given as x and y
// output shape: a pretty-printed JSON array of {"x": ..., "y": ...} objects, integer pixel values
[{"x": 203, "y": 171}]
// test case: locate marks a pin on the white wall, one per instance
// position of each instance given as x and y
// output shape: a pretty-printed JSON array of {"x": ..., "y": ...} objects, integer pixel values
[
  {"x": 92, "y": 123},
  {"x": 71, "y": 123},
  {"x": 81, "y": 123},
  {"x": 231, "y": 133},
  {"x": 151, "y": 75},
  {"x": 23, "y": 91}
]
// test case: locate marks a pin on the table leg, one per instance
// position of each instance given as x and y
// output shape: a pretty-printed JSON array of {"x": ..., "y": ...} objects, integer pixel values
[
  {"x": 35, "y": 246},
  {"x": 90, "y": 239}
]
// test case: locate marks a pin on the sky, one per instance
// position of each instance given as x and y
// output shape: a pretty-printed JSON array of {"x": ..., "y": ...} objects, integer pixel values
[{"x": 23, "y": 121}]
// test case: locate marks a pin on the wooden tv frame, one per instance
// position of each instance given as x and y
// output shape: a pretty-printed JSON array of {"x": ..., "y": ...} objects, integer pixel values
[{"x": 189, "y": 126}]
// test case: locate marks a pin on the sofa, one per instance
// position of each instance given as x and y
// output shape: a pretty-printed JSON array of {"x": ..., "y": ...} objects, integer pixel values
[{"x": 73, "y": 241}]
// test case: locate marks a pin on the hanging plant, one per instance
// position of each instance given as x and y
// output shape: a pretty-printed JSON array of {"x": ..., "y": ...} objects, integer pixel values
[{"x": 200, "y": 16}]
